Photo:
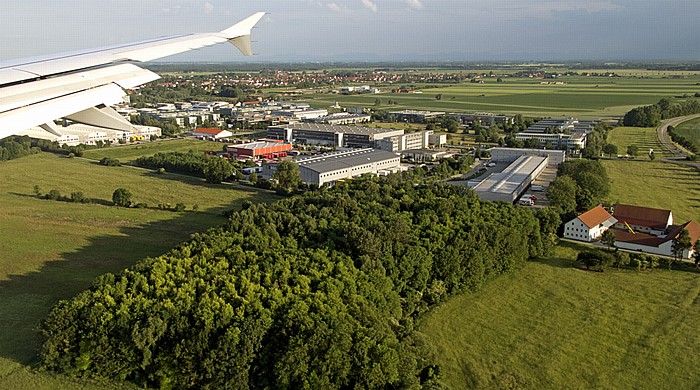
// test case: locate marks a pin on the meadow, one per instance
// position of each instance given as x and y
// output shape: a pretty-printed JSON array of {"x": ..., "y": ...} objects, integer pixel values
[
  {"x": 690, "y": 130},
  {"x": 645, "y": 138},
  {"x": 52, "y": 250},
  {"x": 553, "y": 325},
  {"x": 591, "y": 97},
  {"x": 129, "y": 153},
  {"x": 656, "y": 184}
]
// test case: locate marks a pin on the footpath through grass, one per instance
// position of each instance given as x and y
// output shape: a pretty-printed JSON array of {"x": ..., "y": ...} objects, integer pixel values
[
  {"x": 690, "y": 130},
  {"x": 551, "y": 325},
  {"x": 52, "y": 250},
  {"x": 656, "y": 184}
]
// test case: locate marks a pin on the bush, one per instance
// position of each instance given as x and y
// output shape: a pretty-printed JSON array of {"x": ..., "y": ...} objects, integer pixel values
[
  {"x": 161, "y": 170},
  {"x": 78, "y": 197},
  {"x": 180, "y": 207},
  {"x": 110, "y": 162},
  {"x": 121, "y": 197},
  {"x": 54, "y": 195}
]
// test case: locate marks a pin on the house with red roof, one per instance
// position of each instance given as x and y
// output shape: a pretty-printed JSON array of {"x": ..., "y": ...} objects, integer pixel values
[
  {"x": 655, "y": 222},
  {"x": 590, "y": 225},
  {"x": 658, "y": 245},
  {"x": 211, "y": 133}
]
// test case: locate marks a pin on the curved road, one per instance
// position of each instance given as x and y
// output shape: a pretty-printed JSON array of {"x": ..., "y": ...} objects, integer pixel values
[{"x": 662, "y": 132}]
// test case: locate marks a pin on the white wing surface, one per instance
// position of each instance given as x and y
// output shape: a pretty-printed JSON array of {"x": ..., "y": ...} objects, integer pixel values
[{"x": 35, "y": 91}]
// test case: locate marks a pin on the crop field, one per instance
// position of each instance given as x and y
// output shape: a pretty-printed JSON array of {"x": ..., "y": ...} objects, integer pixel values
[
  {"x": 582, "y": 97},
  {"x": 128, "y": 153},
  {"x": 656, "y": 184},
  {"x": 643, "y": 137},
  {"x": 551, "y": 325},
  {"x": 51, "y": 250},
  {"x": 690, "y": 130}
]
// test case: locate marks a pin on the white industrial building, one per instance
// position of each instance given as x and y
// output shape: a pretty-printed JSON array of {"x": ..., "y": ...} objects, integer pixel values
[
  {"x": 331, "y": 167},
  {"x": 509, "y": 155},
  {"x": 330, "y": 135},
  {"x": 590, "y": 225},
  {"x": 508, "y": 185}
]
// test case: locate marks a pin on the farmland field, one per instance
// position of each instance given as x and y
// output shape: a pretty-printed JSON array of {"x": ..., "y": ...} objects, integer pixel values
[
  {"x": 551, "y": 325},
  {"x": 643, "y": 137},
  {"x": 690, "y": 130},
  {"x": 582, "y": 97},
  {"x": 656, "y": 184},
  {"x": 51, "y": 250},
  {"x": 128, "y": 153}
]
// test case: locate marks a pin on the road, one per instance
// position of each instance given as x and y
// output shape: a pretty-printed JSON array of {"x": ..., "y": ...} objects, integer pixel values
[{"x": 679, "y": 155}]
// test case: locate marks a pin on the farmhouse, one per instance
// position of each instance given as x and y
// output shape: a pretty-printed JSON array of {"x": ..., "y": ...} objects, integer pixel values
[
  {"x": 658, "y": 245},
  {"x": 212, "y": 133},
  {"x": 643, "y": 219},
  {"x": 590, "y": 225}
]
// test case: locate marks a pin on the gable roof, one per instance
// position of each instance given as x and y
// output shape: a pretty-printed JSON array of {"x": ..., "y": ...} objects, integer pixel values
[
  {"x": 642, "y": 216},
  {"x": 208, "y": 130},
  {"x": 595, "y": 217},
  {"x": 692, "y": 227}
]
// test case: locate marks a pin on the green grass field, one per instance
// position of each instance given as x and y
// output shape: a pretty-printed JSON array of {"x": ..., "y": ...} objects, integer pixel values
[
  {"x": 690, "y": 130},
  {"x": 551, "y": 325},
  {"x": 582, "y": 97},
  {"x": 52, "y": 250},
  {"x": 645, "y": 138},
  {"x": 656, "y": 184},
  {"x": 128, "y": 153}
]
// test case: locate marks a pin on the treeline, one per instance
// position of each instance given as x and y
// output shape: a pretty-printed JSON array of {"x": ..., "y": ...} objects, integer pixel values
[
  {"x": 580, "y": 185},
  {"x": 651, "y": 116},
  {"x": 681, "y": 140},
  {"x": 15, "y": 147},
  {"x": 315, "y": 291}
]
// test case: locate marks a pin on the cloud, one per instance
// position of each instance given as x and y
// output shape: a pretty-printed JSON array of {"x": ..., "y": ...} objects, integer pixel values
[
  {"x": 587, "y": 6},
  {"x": 372, "y": 6},
  {"x": 334, "y": 7},
  {"x": 415, "y": 4},
  {"x": 208, "y": 7}
]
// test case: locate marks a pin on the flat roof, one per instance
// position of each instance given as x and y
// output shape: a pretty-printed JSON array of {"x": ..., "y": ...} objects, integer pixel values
[
  {"x": 256, "y": 145},
  {"x": 331, "y": 162},
  {"x": 361, "y": 130},
  {"x": 515, "y": 174}
]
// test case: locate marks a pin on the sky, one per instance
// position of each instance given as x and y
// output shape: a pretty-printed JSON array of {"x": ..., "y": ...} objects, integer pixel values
[{"x": 369, "y": 30}]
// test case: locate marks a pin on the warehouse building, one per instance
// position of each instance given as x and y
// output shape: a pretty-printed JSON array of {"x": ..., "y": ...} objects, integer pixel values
[
  {"x": 259, "y": 149},
  {"x": 508, "y": 185},
  {"x": 329, "y": 135},
  {"x": 509, "y": 155},
  {"x": 415, "y": 116},
  {"x": 331, "y": 167}
]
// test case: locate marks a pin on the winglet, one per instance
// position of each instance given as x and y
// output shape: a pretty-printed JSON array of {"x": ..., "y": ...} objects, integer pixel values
[{"x": 239, "y": 34}]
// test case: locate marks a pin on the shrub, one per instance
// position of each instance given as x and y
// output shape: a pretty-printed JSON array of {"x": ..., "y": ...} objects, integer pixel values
[
  {"x": 121, "y": 197},
  {"x": 53, "y": 195},
  {"x": 180, "y": 207}
]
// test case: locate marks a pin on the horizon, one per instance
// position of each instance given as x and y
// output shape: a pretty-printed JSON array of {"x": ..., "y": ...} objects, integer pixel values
[{"x": 372, "y": 30}]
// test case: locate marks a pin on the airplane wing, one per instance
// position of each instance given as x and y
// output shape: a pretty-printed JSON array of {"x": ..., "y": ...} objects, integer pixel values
[{"x": 82, "y": 85}]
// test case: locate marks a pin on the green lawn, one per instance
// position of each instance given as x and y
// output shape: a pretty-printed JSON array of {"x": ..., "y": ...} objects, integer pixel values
[
  {"x": 656, "y": 184},
  {"x": 551, "y": 325},
  {"x": 582, "y": 97},
  {"x": 690, "y": 130},
  {"x": 127, "y": 153},
  {"x": 52, "y": 250},
  {"x": 645, "y": 138}
]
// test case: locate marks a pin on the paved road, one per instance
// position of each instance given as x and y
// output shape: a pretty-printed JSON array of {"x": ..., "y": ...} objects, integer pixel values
[{"x": 678, "y": 155}]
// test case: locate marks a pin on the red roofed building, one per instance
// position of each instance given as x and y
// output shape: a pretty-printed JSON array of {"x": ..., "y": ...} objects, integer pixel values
[
  {"x": 589, "y": 225},
  {"x": 211, "y": 133},
  {"x": 642, "y": 242},
  {"x": 643, "y": 219},
  {"x": 260, "y": 149}
]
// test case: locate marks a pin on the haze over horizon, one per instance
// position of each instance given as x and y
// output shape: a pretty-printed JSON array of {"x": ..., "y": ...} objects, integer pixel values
[{"x": 370, "y": 30}]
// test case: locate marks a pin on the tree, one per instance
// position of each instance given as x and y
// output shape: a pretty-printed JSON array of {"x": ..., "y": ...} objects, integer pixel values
[
  {"x": 253, "y": 178},
  {"x": 632, "y": 150},
  {"x": 562, "y": 194},
  {"x": 217, "y": 170},
  {"x": 696, "y": 254},
  {"x": 608, "y": 238},
  {"x": 287, "y": 176},
  {"x": 680, "y": 244},
  {"x": 610, "y": 150},
  {"x": 121, "y": 197}
]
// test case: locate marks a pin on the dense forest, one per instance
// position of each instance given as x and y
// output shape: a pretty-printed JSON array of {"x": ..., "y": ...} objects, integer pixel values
[{"x": 319, "y": 290}]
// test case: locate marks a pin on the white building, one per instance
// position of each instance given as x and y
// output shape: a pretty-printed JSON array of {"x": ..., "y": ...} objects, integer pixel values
[
  {"x": 657, "y": 245},
  {"x": 509, "y": 155},
  {"x": 508, "y": 185},
  {"x": 331, "y": 167},
  {"x": 590, "y": 225}
]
